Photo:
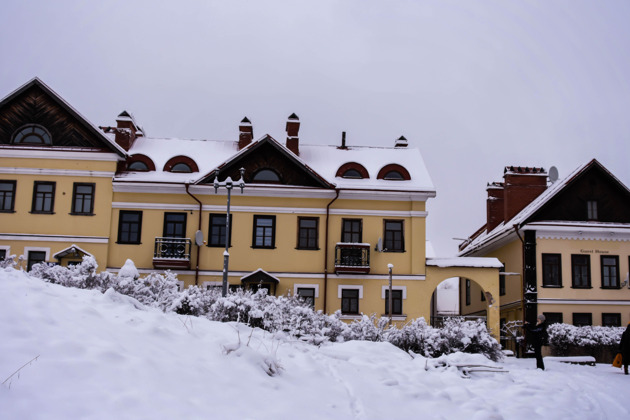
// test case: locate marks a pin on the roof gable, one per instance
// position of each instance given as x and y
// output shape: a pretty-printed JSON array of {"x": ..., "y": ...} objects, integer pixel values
[
  {"x": 592, "y": 183},
  {"x": 36, "y": 103},
  {"x": 267, "y": 153}
]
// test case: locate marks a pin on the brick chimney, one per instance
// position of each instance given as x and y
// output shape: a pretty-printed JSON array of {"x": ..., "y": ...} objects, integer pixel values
[
  {"x": 245, "y": 133},
  {"x": 126, "y": 130},
  {"x": 293, "y": 127},
  {"x": 494, "y": 205},
  {"x": 521, "y": 187}
]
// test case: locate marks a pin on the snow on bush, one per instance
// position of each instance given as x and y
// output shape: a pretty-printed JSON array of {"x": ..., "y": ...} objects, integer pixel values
[
  {"x": 563, "y": 336},
  {"x": 289, "y": 315}
]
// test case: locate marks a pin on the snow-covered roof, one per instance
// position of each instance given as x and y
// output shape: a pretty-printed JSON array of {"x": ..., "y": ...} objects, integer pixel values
[
  {"x": 464, "y": 262},
  {"x": 528, "y": 211},
  {"x": 323, "y": 160}
]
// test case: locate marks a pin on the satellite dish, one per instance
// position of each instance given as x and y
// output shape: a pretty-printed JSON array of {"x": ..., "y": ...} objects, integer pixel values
[
  {"x": 199, "y": 238},
  {"x": 553, "y": 174},
  {"x": 379, "y": 245}
]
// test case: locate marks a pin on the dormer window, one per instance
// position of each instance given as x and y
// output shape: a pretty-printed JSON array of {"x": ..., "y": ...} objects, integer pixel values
[
  {"x": 32, "y": 134},
  {"x": 352, "y": 170},
  {"x": 266, "y": 176},
  {"x": 393, "y": 172},
  {"x": 181, "y": 167},
  {"x": 591, "y": 210},
  {"x": 138, "y": 166}
]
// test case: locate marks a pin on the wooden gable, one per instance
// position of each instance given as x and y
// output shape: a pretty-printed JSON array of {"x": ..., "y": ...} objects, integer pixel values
[
  {"x": 594, "y": 183},
  {"x": 269, "y": 154},
  {"x": 35, "y": 103}
]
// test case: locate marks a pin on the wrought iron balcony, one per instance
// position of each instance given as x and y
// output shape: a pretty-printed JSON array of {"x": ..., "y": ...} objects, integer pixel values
[
  {"x": 352, "y": 258},
  {"x": 172, "y": 253}
]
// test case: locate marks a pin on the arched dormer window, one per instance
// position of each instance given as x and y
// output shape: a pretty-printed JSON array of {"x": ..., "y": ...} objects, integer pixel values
[
  {"x": 352, "y": 170},
  {"x": 32, "y": 134},
  {"x": 266, "y": 176},
  {"x": 181, "y": 164},
  {"x": 393, "y": 172},
  {"x": 140, "y": 163}
]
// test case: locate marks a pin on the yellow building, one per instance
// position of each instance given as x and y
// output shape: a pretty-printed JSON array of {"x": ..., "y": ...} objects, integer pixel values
[
  {"x": 324, "y": 222},
  {"x": 565, "y": 247}
]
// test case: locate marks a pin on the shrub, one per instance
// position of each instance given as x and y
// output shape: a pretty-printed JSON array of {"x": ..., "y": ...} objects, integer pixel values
[{"x": 563, "y": 336}]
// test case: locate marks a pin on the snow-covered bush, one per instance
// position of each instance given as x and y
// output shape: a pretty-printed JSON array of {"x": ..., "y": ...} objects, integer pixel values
[
  {"x": 368, "y": 328},
  {"x": 195, "y": 301},
  {"x": 11, "y": 262},
  {"x": 563, "y": 336},
  {"x": 82, "y": 276},
  {"x": 156, "y": 290}
]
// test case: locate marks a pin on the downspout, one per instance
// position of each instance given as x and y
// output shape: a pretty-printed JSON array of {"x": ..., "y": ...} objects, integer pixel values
[
  {"x": 198, "y": 229},
  {"x": 516, "y": 227},
  {"x": 326, "y": 250}
]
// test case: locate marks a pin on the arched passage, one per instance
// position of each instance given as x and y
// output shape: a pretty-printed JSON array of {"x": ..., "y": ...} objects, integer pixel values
[{"x": 483, "y": 271}]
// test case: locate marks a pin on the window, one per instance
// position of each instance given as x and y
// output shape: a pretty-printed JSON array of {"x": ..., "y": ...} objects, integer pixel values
[
  {"x": 467, "y": 292},
  {"x": 181, "y": 167},
  {"x": 83, "y": 199},
  {"x": 582, "y": 319},
  {"x": 397, "y": 301},
  {"x": 393, "y": 176},
  {"x": 32, "y": 134},
  {"x": 551, "y": 270},
  {"x": 581, "y": 271},
  {"x": 610, "y": 272},
  {"x": 264, "y": 232},
  {"x": 352, "y": 174},
  {"x": 591, "y": 210},
  {"x": 307, "y": 232},
  {"x": 350, "y": 301},
  {"x": 553, "y": 317},
  {"x": 35, "y": 257},
  {"x": 266, "y": 176},
  {"x": 3, "y": 254},
  {"x": 129, "y": 227},
  {"x": 138, "y": 166},
  {"x": 352, "y": 230},
  {"x": 7, "y": 196},
  {"x": 218, "y": 231},
  {"x": 611, "y": 320},
  {"x": 502, "y": 281},
  {"x": 307, "y": 294},
  {"x": 174, "y": 225},
  {"x": 394, "y": 236},
  {"x": 43, "y": 197}
]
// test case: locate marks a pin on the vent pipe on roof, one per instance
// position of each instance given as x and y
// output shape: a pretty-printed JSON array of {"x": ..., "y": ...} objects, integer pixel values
[
  {"x": 401, "y": 142},
  {"x": 343, "y": 140},
  {"x": 293, "y": 127}
]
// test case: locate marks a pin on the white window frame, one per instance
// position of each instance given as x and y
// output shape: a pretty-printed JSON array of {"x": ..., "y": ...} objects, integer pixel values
[
  {"x": 7, "y": 248},
  {"x": 297, "y": 286},
  {"x": 28, "y": 249},
  {"x": 348, "y": 286},
  {"x": 403, "y": 288},
  {"x": 208, "y": 284}
]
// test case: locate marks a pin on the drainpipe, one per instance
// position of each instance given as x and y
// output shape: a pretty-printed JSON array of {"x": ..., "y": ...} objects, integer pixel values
[
  {"x": 198, "y": 229},
  {"x": 326, "y": 250},
  {"x": 516, "y": 227}
]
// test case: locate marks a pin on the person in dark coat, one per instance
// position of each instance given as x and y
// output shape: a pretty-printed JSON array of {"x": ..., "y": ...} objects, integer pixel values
[
  {"x": 537, "y": 337},
  {"x": 624, "y": 349}
]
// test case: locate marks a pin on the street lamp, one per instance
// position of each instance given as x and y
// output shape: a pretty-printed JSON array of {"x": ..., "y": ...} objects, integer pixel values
[
  {"x": 389, "y": 305},
  {"x": 228, "y": 184}
]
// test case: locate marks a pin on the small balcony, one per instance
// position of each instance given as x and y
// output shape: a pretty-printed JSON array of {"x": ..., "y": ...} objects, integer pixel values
[
  {"x": 352, "y": 258},
  {"x": 172, "y": 253}
]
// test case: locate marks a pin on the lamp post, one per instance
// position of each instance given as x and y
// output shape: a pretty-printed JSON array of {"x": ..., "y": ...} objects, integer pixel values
[
  {"x": 228, "y": 184},
  {"x": 389, "y": 304}
]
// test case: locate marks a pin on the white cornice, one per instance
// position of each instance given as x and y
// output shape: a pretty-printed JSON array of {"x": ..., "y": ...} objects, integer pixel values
[
  {"x": 582, "y": 302},
  {"x": 52, "y": 153},
  {"x": 581, "y": 232},
  {"x": 57, "y": 172},
  {"x": 53, "y": 238},
  {"x": 272, "y": 210}
]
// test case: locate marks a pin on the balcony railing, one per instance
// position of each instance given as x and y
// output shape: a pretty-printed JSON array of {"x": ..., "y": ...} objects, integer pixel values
[
  {"x": 172, "y": 253},
  {"x": 352, "y": 258}
]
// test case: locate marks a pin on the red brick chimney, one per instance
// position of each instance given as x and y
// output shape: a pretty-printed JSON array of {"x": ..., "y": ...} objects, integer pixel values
[
  {"x": 494, "y": 205},
  {"x": 246, "y": 133},
  {"x": 293, "y": 127},
  {"x": 126, "y": 130},
  {"x": 521, "y": 187}
]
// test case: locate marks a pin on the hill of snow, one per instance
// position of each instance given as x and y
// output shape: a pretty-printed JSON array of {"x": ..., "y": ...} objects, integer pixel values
[{"x": 104, "y": 356}]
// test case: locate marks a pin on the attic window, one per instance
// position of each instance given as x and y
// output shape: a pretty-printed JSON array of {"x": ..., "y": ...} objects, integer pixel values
[
  {"x": 266, "y": 176},
  {"x": 32, "y": 134},
  {"x": 352, "y": 170},
  {"x": 352, "y": 173},
  {"x": 138, "y": 166},
  {"x": 591, "y": 209},
  {"x": 393, "y": 172},
  {"x": 181, "y": 167}
]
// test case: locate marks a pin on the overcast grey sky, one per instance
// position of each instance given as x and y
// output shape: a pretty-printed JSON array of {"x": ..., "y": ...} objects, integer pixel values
[{"x": 475, "y": 85}]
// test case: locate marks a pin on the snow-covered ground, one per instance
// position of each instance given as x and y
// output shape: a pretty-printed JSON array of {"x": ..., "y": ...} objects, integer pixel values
[{"x": 102, "y": 356}]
